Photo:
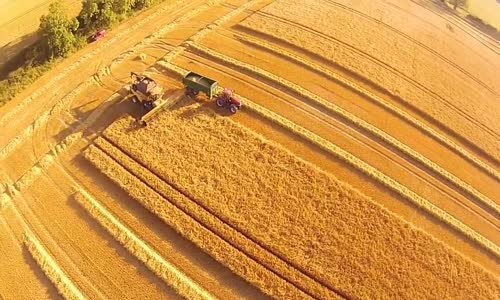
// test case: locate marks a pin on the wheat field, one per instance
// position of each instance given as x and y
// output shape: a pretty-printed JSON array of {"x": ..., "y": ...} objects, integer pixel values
[{"x": 364, "y": 162}]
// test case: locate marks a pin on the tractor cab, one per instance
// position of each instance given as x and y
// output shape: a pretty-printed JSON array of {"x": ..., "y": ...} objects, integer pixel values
[{"x": 227, "y": 98}]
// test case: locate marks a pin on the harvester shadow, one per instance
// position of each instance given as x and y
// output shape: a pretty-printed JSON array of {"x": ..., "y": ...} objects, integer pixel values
[
  {"x": 40, "y": 275},
  {"x": 120, "y": 250},
  {"x": 170, "y": 238}
]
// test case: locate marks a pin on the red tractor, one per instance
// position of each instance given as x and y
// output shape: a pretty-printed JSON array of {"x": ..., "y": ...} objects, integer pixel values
[
  {"x": 196, "y": 83},
  {"x": 227, "y": 99}
]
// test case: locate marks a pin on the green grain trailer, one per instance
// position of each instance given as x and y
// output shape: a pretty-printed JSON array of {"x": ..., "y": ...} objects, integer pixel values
[{"x": 196, "y": 83}]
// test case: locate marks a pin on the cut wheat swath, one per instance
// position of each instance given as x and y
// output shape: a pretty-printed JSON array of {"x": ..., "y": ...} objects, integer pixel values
[
  {"x": 168, "y": 272},
  {"x": 356, "y": 122},
  {"x": 51, "y": 269},
  {"x": 417, "y": 123}
]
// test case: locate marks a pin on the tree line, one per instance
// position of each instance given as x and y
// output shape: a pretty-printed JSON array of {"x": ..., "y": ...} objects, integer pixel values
[{"x": 61, "y": 35}]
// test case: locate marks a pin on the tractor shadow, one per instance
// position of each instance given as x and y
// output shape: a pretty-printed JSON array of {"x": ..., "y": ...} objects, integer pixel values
[{"x": 205, "y": 106}]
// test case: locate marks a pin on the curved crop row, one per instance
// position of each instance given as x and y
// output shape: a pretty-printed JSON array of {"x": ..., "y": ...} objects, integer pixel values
[
  {"x": 364, "y": 167},
  {"x": 464, "y": 122},
  {"x": 169, "y": 273},
  {"x": 355, "y": 121},
  {"x": 194, "y": 224},
  {"x": 51, "y": 269},
  {"x": 397, "y": 111},
  {"x": 376, "y": 174},
  {"x": 293, "y": 209}
]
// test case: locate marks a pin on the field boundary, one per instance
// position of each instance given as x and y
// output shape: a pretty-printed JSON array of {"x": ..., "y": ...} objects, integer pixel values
[
  {"x": 378, "y": 100},
  {"x": 51, "y": 269},
  {"x": 352, "y": 119},
  {"x": 168, "y": 272}
]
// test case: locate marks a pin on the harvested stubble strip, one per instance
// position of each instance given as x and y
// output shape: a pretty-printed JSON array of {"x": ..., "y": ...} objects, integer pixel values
[
  {"x": 359, "y": 89},
  {"x": 300, "y": 212},
  {"x": 49, "y": 266},
  {"x": 469, "y": 122},
  {"x": 169, "y": 273},
  {"x": 192, "y": 229},
  {"x": 467, "y": 188}
]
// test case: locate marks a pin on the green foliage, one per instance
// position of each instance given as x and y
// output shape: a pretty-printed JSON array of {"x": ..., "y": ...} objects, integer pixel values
[
  {"x": 140, "y": 4},
  {"x": 61, "y": 35},
  {"x": 96, "y": 14},
  {"x": 58, "y": 31},
  {"x": 123, "y": 7},
  {"x": 21, "y": 78}
]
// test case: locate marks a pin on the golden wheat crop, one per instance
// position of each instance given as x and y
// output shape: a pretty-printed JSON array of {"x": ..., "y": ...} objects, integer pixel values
[
  {"x": 363, "y": 167},
  {"x": 240, "y": 241},
  {"x": 356, "y": 122},
  {"x": 168, "y": 272},
  {"x": 191, "y": 221},
  {"x": 359, "y": 89},
  {"x": 479, "y": 129},
  {"x": 51, "y": 269},
  {"x": 320, "y": 225}
]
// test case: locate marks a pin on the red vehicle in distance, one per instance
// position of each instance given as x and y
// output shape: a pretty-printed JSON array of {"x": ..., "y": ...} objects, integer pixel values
[{"x": 98, "y": 35}]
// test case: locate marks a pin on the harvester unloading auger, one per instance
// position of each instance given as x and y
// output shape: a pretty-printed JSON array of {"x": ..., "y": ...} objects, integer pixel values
[{"x": 150, "y": 95}]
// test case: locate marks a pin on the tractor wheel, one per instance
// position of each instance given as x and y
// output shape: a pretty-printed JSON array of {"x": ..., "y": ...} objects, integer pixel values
[
  {"x": 148, "y": 105},
  {"x": 220, "y": 102},
  {"x": 233, "y": 108},
  {"x": 191, "y": 92}
]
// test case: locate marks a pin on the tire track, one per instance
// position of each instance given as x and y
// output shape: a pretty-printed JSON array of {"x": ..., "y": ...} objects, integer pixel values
[
  {"x": 376, "y": 61},
  {"x": 415, "y": 41},
  {"x": 197, "y": 213},
  {"x": 363, "y": 125}
]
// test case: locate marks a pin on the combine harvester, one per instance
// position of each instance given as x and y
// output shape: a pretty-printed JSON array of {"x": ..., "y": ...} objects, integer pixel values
[{"x": 149, "y": 94}]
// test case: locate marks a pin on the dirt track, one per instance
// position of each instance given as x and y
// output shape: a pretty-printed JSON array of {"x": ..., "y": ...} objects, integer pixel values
[{"x": 436, "y": 157}]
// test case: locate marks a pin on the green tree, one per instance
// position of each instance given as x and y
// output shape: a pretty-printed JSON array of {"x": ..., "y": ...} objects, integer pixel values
[
  {"x": 140, "y": 4},
  {"x": 123, "y": 7},
  {"x": 96, "y": 14},
  {"x": 58, "y": 29}
]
